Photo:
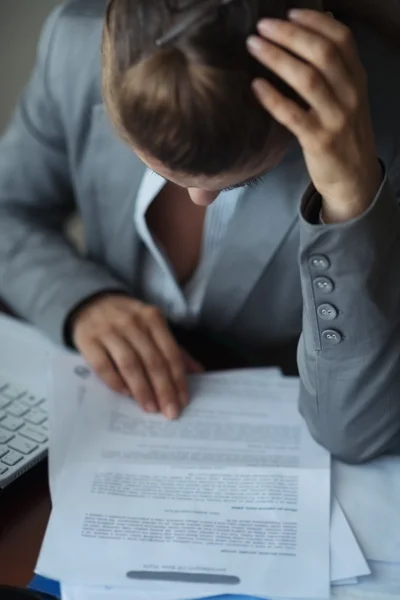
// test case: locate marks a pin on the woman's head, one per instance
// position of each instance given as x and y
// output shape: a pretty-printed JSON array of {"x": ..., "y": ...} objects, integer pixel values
[{"x": 177, "y": 84}]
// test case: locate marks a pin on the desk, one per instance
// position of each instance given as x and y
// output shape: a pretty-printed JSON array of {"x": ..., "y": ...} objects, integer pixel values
[{"x": 24, "y": 513}]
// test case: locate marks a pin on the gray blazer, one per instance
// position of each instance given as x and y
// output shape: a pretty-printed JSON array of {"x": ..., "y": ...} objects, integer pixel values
[{"x": 278, "y": 276}]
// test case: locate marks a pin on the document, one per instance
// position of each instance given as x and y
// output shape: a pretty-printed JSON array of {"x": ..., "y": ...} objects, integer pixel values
[
  {"x": 347, "y": 563},
  {"x": 347, "y": 560},
  {"x": 383, "y": 584},
  {"x": 218, "y": 501},
  {"x": 370, "y": 497},
  {"x": 63, "y": 412},
  {"x": 63, "y": 409}
]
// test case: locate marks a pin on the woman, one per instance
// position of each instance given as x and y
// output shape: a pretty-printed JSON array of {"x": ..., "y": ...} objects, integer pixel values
[
  {"x": 216, "y": 98},
  {"x": 183, "y": 87}
]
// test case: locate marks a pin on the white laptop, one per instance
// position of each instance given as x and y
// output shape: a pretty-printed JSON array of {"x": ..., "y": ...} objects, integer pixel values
[{"x": 24, "y": 358}]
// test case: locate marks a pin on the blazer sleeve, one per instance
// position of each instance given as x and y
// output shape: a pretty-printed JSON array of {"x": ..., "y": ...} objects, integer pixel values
[
  {"x": 349, "y": 351},
  {"x": 42, "y": 278}
]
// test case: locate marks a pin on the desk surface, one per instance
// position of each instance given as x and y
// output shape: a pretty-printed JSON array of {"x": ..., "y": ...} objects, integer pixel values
[{"x": 24, "y": 513}]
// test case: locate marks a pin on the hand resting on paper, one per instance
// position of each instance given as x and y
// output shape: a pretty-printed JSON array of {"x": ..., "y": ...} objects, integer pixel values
[{"x": 131, "y": 348}]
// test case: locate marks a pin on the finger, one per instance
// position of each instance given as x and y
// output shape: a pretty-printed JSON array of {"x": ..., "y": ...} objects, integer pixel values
[
  {"x": 285, "y": 111},
  {"x": 314, "y": 48},
  {"x": 99, "y": 359},
  {"x": 171, "y": 352},
  {"x": 157, "y": 371},
  {"x": 333, "y": 30},
  {"x": 131, "y": 370},
  {"x": 301, "y": 77},
  {"x": 192, "y": 366}
]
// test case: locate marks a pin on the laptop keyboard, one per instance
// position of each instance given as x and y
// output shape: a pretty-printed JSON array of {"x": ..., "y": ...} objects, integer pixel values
[{"x": 23, "y": 429}]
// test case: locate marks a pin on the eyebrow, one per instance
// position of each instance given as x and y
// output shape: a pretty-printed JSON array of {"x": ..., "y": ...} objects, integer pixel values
[{"x": 235, "y": 186}]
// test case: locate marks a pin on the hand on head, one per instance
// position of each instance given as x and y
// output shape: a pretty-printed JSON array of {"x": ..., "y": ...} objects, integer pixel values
[{"x": 317, "y": 56}]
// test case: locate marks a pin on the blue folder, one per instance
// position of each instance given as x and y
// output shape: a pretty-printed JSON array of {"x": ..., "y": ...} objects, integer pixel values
[
  {"x": 45, "y": 586},
  {"x": 48, "y": 586}
]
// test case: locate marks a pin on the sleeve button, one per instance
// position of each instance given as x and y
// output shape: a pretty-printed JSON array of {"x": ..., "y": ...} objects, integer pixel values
[
  {"x": 323, "y": 284},
  {"x": 320, "y": 262},
  {"x": 327, "y": 312},
  {"x": 332, "y": 337}
]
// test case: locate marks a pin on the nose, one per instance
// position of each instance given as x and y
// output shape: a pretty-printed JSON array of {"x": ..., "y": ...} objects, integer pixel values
[{"x": 202, "y": 197}]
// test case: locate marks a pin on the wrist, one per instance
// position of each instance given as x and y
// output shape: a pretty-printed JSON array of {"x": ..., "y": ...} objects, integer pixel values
[
  {"x": 352, "y": 204},
  {"x": 76, "y": 313},
  {"x": 338, "y": 212}
]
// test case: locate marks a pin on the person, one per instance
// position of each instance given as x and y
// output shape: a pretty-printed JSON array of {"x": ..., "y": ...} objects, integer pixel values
[{"x": 280, "y": 122}]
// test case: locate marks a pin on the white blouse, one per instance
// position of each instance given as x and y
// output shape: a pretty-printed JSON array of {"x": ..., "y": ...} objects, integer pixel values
[{"x": 159, "y": 286}]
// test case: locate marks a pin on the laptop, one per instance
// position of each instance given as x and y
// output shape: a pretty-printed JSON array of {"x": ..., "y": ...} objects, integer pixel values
[
  {"x": 24, "y": 418},
  {"x": 24, "y": 426}
]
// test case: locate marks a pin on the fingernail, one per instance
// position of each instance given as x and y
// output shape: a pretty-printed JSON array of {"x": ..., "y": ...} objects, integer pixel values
[
  {"x": 254, "y": 43},
  {"x": 267, "y": 25},
  {"x": 151, "y": 408},
  {"x": 294, "y": 13},
  {"x": 259, "y": 86},
  {"x": 171, "y": 412}
]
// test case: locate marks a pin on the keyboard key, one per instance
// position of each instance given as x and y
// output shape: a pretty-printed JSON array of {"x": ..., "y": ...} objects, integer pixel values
[
  {"x": 4, "y": 402},
  {"x": 5, "y": 436},
  {"x": 11, "y": 423},
  {"x": 33, "y": 434},
  {"x": 3, "y": 451},
  {"x": 23, "y": 446},
  {"x": 12, "y": 458},
  {"x": 13, "y": 393},
  {"x": 45, "y": 425},
  {"x": 17, "y": 409},
  {"x": 3, "y": 469},
  {"x": 2, "y": 415},
  {"x": 32, "y": 401},
  {"x": 35, "y": 417}
]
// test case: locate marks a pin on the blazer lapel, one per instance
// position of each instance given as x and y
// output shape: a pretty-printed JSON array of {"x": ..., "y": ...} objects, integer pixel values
[
  {"x": 119, "y": 192},
  {"x": 264, "y": 217}
]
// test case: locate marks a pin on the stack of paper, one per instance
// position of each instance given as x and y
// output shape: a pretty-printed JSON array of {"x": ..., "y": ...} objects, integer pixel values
[
  {"x": 234, "y": 498},
  {"x": 368, "y": 494}
]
